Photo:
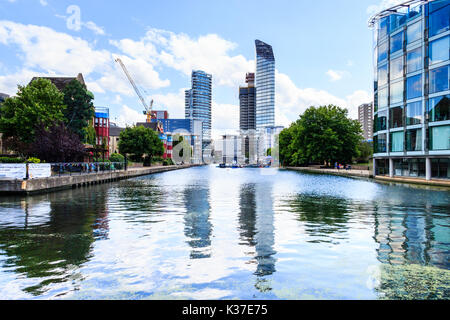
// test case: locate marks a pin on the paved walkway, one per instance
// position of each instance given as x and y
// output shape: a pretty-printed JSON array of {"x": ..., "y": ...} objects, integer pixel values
[
  {"x": 338, "y": 172},
  {"x": 369, "y": 174}
]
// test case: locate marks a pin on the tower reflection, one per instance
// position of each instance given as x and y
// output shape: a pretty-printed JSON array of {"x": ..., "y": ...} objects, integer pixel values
[
  {"x": 198, "y": 227},
  {"x": 256, "y": 223}
]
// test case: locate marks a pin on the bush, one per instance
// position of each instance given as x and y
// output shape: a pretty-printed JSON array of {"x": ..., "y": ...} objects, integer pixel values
[
  {"x": 33, "y": 160},
  {"x": 11, "y": 160},
  {"x": 116, "y": 157}
]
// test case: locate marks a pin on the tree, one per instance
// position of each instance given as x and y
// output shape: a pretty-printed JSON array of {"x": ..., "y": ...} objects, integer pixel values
[
  {"x": 57, "y": 144},
  {"x": 37, "y": 105},
  {"x": 140, "y": 142},
  {"x": 321, "y": 135},
  {"x": 365, "y": 149},
  {"x": 79, "y": 109}
]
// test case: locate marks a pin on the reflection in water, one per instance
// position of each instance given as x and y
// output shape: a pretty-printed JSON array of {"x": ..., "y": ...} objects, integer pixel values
[
  {"x": 153, "y": 237},
  {"x": 51, "y": 249},
  {"x": 412, "y": 237},
  {"x": 324, "y": 218},
  {"x": 256, "y": 224},
  {"x": 198, "y": 227}
]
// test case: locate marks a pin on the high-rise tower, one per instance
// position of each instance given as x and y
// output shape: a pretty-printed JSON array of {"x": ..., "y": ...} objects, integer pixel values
[
  {"x": 247, "y": 99},
  {"x": 265, "y": 85},
  {"x": 198, "y": 102}
]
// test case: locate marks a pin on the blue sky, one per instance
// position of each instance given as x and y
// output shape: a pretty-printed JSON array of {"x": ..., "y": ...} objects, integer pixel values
[{"x": 323, "y": 50}]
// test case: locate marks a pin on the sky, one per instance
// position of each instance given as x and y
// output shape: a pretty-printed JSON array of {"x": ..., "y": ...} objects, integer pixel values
[{"x": 323, "y": 51}]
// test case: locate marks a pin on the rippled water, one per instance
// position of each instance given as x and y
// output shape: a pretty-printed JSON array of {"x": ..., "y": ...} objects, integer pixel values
[{"x": 209, "y": 233}]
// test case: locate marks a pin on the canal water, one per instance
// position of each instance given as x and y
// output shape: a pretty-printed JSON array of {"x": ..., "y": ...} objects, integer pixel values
[{"x": 210, "y": 233}]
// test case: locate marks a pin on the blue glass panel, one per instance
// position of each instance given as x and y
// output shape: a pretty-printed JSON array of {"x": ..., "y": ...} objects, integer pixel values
[
  {"x": 439, "y": 50},
  {"x": 414, "y": 87},
  {"x": 439, "y": 20},
  {"x": 414, "y": 60},
  {"x": 439, "y": 79},
  {"x": 397, "y": 42},
  {"x": 382, "y": 51},
  {"x": 414, "y": 32}
]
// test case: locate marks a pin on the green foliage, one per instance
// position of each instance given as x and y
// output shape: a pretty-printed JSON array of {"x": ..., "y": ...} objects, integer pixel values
[
  {"x": 140, "y": 142},
  {"x": 89, "y": 134},
  {"x": 116, "y": 157},
  {"x": 269, "y": 152},
  {"x": 38, "y": 104},
  {"x": 11, "y": 160},
  {"x": 168, "y": 162},
  {"x": 365, "y": 151},
  {"x": 80, "y": 110},
  {"x": 323, "y": 134},
  {"x": 33, "y": 160}
]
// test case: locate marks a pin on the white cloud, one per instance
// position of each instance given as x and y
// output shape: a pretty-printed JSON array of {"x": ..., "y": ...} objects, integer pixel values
[
  {"x": 384, "y": 4},
  {"x": 93, "y": 27},
  {"x": 356, "y": 99},
  {"x": 43, "y": 2},
  {"x": 209, "y": 53},
  {"x": 336, "y": 75},
  {"x": 9, "y": 83},
  {"x": 56, "y": 53},
  {"x": 129, "y": 117}
]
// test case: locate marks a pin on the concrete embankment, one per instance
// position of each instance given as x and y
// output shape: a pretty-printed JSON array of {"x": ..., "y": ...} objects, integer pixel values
[
  {"x": 35, "y": 186},
  {"x": 369, "y": 174},
  {"x": 340, "y": 172}
]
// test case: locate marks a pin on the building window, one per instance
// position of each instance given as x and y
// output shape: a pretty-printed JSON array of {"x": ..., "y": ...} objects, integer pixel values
[
  {"x": 382, "y": 51},
  {"x": 440, "y": 168},
  {"x": 382, "y": 31},
  {"x": 439, "y": 79},
  {"x": 414, "y": 32},
  {"x": 439, "y": 108},
  {"x": 439, "y": 21},
  {"x": 396, "y": 68},
  {"x": 397, "y": 42},
  {"x": 414, "y": 87},
  {"x": 396, "y": 117},
  {"x": 414, "y": 60},
  {"x": 382, "y": 75},
  {"x": 396, "y": 92},
  {"x": 439, "y": 50},
  {"x": 414, "y": 113},
  {"x": 440, "y": 138},
  {"x": 380, "y": 143},
  {"x": 396, "y": 141},
  {"x": 382, "y": 98},
  {"x": 409, "y": 167},
  {"x": 382, "y": 167},
  {"x": 381, "y": 120},
  {"x": 414, "y": 140}
]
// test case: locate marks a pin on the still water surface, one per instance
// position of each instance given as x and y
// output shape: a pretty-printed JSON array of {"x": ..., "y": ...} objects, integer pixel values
[{"x": 209, "y": 233}]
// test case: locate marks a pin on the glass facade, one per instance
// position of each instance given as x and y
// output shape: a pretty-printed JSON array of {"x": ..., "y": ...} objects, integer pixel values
[
  {"x": 265, "y": 85},
  {"x": 412, "y": 88},
  {"x": 198, "y": 102}
]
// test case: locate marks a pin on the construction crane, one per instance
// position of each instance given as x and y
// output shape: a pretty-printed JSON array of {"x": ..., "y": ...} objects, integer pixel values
[{"x": 147, "y": 109}]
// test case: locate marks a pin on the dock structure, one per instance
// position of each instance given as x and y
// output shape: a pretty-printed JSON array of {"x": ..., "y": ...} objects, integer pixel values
[{"x": 55, "y": 183}]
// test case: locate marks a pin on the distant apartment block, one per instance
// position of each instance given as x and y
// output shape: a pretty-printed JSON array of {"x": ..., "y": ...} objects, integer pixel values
[{"x": 365, "y": 118}]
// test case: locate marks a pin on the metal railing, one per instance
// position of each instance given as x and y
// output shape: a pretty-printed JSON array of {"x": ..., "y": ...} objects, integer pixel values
[{"x": 80, "y": 168}]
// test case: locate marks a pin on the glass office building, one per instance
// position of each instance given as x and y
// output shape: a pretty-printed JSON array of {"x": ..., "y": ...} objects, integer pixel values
[
  {"x": 265, "y": 85},
  {"x": 411, "y": 90},
  {"x": 198, "y": 102}
]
